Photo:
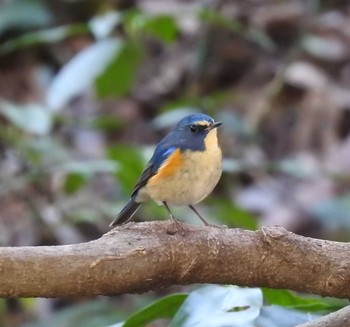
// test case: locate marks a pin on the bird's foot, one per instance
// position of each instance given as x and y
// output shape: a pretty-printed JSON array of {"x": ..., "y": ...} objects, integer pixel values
[{"x": 175, "y": 227}]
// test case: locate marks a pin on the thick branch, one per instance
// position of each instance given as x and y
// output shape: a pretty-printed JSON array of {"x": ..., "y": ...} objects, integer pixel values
[{"x": 139, "y": 257}]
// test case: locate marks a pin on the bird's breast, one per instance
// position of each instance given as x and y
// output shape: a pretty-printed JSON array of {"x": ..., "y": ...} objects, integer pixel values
[{"x": 187, "y": 177}]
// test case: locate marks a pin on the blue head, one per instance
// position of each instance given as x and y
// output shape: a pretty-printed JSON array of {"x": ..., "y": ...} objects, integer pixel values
[{"x": 192, "y": 131}]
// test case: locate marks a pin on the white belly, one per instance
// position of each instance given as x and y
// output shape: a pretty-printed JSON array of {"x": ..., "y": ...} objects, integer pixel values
[{"x": 195, "y": 180}]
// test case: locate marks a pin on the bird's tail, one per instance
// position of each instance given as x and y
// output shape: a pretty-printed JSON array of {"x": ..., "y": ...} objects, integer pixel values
[{"x": 126, "y": 214}]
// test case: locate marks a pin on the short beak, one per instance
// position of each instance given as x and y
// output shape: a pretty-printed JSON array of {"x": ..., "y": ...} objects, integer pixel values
[{"x": 214, "y": 125}]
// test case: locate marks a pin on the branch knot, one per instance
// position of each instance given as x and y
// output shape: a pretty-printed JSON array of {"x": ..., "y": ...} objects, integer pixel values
[{"x": 272, "y": 233}]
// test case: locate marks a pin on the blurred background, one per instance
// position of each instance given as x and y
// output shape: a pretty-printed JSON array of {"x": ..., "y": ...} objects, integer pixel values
[{"x": 87, "y": 88}]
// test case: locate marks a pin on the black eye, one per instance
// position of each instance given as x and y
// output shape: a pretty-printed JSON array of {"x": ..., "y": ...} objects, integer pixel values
[{"x": 194, "y": 128}]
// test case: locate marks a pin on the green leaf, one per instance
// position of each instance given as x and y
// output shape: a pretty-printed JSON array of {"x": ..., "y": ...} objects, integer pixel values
[
  {"x": 227, "y": 212},
  {"x": 164, "y": 308},
  {"x": 310, "y": 304},
  {"x": 118, "y": 77},
  {"x": 74, "y": 182},
  {"x": 162, "y": 27},
  {"x": 130, "y": 164}
]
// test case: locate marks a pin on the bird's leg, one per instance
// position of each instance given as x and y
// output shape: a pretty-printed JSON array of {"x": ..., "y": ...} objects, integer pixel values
[
  {"x": 168, "y": 209},
  {"x": 199, "y": 216},
  {"x": 179, "y": 227},
  {"x": 204, "y": 221}
]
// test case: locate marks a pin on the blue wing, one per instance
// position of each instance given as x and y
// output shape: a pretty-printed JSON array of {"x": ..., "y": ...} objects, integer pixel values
[{"x": 161, "y": 153}]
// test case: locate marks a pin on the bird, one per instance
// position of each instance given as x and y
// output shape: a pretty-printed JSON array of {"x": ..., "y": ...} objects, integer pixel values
[{"x": 184, "y": 169}]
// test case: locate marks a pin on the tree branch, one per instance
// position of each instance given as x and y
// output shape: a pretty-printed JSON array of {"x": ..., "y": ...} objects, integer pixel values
[
  {"x": 340, "y": 318},
  {"x": 138, "y": 257}
]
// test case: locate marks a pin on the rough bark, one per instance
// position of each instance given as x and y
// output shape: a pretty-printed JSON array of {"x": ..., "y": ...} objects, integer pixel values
[{"x": 138, "y": 257}]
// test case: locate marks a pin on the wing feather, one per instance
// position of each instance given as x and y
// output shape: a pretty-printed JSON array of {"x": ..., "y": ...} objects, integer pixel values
[{"x": 161, "y": 153}]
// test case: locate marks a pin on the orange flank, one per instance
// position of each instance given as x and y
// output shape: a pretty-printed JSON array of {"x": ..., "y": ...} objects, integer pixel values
[{"x": 169, "y": 167}]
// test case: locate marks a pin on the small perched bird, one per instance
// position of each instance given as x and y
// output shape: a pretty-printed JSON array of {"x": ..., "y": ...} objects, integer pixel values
[{"x": 184, "y": 169}]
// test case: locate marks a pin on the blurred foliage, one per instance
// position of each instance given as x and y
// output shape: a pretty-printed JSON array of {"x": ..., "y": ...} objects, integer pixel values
[
  {"x": 164, "y": 308},
  {"x": 123, "y": 66},
  {"x": 231, "y": 214},
  {"x": 87, "y": 88},
  {"x": 303, "y": 303},
  {"x": 162, "y": 27},
  {"x": 73, "y": 182},
  {"x": 91, "y": 314},
  {"x": 50, "y": 35},
  {"x": 128, "y": 171},
  {"x": 30, "y": 118},
  {"x": 24, "y": 15},
  {"x": 218, "y": 306}
]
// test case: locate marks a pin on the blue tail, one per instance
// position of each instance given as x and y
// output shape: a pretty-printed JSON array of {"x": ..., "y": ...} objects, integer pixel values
[{"x": 126, "y": 214}]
